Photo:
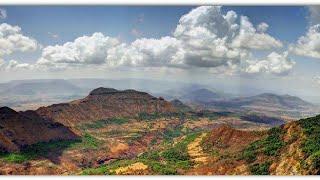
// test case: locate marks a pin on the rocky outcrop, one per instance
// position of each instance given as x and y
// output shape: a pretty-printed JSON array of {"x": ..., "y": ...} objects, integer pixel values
[
  {"x": 18, "y": 130},
  {"x": 104, "y": 103}
]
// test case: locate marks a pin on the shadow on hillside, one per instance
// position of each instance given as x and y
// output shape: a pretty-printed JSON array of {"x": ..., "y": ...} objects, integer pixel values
[{"x": 273, "y": 121}]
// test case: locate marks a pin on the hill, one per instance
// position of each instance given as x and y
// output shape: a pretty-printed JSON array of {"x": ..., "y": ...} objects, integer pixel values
[
  {"x": 269, "y": 104},
  {"x": 291, "y": 149},
  {"x": 18, "y": 130},
  {"x": 103, "y": 103},
  {"x": 180, "y": 106},
  {"x": 202, "y": 95},
  {"x": 39, "y": 87}
]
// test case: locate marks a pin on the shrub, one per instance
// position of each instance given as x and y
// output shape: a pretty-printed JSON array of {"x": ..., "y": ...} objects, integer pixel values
[{"x": 260, "y": 169}]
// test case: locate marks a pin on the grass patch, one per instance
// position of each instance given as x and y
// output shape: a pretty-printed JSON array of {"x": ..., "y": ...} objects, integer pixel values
[
  {"x": 102, "y": 170},
  {"x": 104, "y": 122}
]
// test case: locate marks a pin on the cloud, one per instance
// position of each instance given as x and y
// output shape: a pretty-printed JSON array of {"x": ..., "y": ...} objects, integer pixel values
[
  {"x": 309, "y": 44},
  {"x": 262, "y": 27},
  {"x": 53, "y": 35},
  {"x": 3, "y": 13},
  {"x": 205, "y": 34},
  {"x": 250, "y": 38},
  {"x": 83, "y": 50},
  {"x": 15, "y": 65},
  {"x": 11, "y": 39},
  {"x": 135, "y": 32},
  {"x": 274, "y": 63},
  {"x": 146, "y": 52},
  {"x": 203, "y": 38}
]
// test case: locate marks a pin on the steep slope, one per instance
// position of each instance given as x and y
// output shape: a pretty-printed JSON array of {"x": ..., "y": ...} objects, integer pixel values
[
  {"x": 103, "y": 103},
  {"x": 291, "y": 149},
  {"x": 18, "y": 130}
]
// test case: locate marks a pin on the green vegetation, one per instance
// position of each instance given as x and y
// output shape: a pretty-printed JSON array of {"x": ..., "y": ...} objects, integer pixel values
[
  {"x": 177, "y": 156},
  {"x": 273, "y": 143},
  {"x": 41, "y": 149},
  {"x": 171, "y": 133},
  {"x": 250, "y": 153},
  {"x": 163, "y": 163},
  {"x": 181, "y": 115},
  {"x": 104, "y": 122},
  {"x": 152, "y": 116},
  {"x": 311, "y": 144},
  {"x": 102, "y": 170},
  {"x": 260, "y": 169},
  {"x": 269, "y": 146},
  {"x": 89, "y": 142}
]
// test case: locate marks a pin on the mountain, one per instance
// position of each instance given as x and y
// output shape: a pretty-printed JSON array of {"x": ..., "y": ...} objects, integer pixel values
[
  {"x": 202, "y": 95},
  {"x": 17, "y": 130},
  {"x": 180, "y": 106},
  {"x": 277, "y": 105},
  {"x": 40, "y": 87},
  {"x": 104, "y": 103}
]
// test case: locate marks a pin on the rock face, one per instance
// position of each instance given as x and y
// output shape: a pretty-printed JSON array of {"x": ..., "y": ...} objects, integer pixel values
[
  {"x": 104, "y": 103},
  {"x": 18, "y": 130}
]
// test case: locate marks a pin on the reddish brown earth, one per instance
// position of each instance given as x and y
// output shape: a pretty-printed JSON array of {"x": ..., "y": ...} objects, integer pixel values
[
  {"x": 20, "y": 129},
  {"x": 104, "y": 103},
  {"x": 230, "y": 139}
]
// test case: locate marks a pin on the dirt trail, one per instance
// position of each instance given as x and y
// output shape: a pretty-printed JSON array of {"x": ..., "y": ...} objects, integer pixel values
[
  {"x": 131, "y": 169},
  {"x": 195, "y": 151}
]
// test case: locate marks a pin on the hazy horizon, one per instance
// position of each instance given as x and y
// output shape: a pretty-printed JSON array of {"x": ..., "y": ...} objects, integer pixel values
[{"x": 234, "y": 49}]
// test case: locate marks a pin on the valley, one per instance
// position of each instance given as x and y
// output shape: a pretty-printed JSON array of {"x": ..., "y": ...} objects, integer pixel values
[{"x": 129, "y": 132}]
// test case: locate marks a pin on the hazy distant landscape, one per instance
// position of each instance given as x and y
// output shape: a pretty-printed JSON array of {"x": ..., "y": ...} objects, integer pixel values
[
  {"x": 159, "y": 90},
  {"x": 32, "y": 94}
]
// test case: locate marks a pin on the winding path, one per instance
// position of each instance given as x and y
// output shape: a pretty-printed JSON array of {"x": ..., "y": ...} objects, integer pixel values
[{"x": 195, "y": 151}]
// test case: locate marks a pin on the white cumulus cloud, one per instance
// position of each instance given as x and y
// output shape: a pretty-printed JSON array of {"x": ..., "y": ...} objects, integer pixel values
[
  {"x": 274, "y": 63},
  {"x": 83, "y": 50},
  {"x": 12, "y": 39},
  {"x": 203, "y": 38},
  {"x": 249, "y": 37},
  {"x": 309, "y": 44}
]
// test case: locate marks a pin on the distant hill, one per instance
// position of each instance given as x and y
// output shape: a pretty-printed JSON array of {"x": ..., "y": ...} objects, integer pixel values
[
  {"x": 202, "y": 95},
  {"x": 104, "y": 103},
  {"x": 180, "y": 106},
  {"x": 39, "y": 87},
  {"x": 18, "y": 130},
  {"x": 268, "y": 103}
]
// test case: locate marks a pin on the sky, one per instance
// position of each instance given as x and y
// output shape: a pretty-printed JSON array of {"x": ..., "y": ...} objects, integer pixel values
[{"x": 240, "y": 48}]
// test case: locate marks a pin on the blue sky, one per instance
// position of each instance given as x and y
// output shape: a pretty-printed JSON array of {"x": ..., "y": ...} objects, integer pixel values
[
  {"x": 70, "y": 22},
  {"x": 145, "y": 27}
]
